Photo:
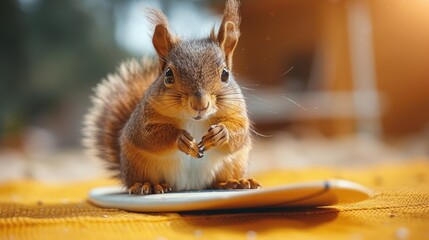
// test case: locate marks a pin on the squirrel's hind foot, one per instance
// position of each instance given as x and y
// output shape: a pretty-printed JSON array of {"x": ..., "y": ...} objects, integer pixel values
[
  {"x": 147, "y": 188},
  {"x": 238, "y": 184}
]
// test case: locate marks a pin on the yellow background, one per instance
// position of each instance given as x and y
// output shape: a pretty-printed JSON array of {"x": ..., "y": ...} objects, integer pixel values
[{"x": 399, "y": 210}]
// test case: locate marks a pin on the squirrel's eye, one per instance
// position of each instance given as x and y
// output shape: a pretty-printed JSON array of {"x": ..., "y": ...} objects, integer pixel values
[
  {"x": 169, "y": 77},
  {"x": 225, "y": 75}
]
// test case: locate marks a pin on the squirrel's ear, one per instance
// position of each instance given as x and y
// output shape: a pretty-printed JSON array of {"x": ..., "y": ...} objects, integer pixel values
[
  {"x": 162, "y": 39},
  {"x": 228, "y": 40},
  {"x": 229, "y": 31}
]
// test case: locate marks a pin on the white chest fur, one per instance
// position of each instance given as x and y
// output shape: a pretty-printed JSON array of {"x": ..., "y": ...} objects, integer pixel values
[{"x": 194, "y": 173}]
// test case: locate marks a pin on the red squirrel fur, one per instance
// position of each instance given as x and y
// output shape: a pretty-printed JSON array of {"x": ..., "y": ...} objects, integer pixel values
[{"x": 176, "y": 123}]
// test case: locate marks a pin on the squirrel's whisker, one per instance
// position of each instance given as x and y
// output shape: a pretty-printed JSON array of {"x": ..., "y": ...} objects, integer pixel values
[{"x": 225, "y": 108}]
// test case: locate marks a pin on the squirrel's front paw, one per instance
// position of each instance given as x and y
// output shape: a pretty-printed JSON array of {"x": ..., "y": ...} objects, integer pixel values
[
  {"x": 187, "y": 144},
  {"x": 217, "y": 135}
]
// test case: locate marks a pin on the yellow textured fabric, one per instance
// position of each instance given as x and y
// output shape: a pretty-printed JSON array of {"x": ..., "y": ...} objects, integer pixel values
[{"x": 399, "y": 210}]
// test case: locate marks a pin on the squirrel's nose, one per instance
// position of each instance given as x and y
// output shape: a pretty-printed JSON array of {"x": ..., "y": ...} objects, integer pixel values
[{"x": 199, "y": 101}]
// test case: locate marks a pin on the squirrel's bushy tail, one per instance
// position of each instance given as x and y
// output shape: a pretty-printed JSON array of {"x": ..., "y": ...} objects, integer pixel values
[{"x": 114, "y": 99}]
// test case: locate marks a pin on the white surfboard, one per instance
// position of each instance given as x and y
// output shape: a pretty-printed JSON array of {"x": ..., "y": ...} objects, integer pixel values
[{"x": 308, "y": 194}]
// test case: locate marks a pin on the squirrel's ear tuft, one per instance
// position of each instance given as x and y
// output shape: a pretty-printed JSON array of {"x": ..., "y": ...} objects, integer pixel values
[
  {"x": 229, "y": 30},
  {"x": 162, "y": 39}
]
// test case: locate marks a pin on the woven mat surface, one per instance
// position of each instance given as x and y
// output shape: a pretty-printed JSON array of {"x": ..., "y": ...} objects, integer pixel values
[{"x": 399, "y": 210}]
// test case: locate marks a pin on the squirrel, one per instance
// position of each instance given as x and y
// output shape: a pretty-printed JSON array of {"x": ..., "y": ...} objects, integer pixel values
[{"x": 178, "y": 122}]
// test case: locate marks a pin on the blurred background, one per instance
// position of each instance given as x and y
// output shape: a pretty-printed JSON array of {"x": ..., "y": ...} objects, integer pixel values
[{"x": 338, "y": 83}]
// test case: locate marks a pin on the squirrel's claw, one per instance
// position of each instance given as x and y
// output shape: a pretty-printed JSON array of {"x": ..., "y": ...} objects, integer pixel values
[
  {"x": 249, "y": 183},
  {"x": 162, "y": 188},
  {"x": 147, "y": 188},
  {"x": 187, "y": 144},
  {"x": 139, "y": 188},
  {"x": 217, "y": 135},
  {"x": 237, "y": 184}
]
